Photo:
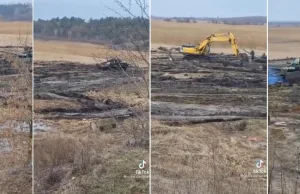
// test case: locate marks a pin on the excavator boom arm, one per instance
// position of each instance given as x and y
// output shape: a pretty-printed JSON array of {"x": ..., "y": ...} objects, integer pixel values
[{"x": 224, "y": 37}]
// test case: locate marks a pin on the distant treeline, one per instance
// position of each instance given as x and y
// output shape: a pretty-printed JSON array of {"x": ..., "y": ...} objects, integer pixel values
[
  {"x": 284, "y": 24},
  {"x": 247, "y": 20},
  {"x": 16, "y": 12},
  {"x": 108, "y": 30}
]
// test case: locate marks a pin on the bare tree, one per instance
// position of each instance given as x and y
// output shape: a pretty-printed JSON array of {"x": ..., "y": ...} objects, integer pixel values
[{"x": 136, "y": 53}]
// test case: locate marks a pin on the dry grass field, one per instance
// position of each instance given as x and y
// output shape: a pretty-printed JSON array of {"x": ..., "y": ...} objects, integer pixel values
[
  {"x": 15, "y": 33},
  {"x": 173, "y": 33},
  {"x": 206, "y": 158},
  {"x": 67, "y": 51},
  {"x": 284, "y": 42},
  {"x": 53, "y": 50},
  {"x": 16, "y": 28}
]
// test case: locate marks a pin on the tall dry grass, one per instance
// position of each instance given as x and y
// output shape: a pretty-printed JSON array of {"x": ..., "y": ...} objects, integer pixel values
[
  {"x": 284, "y": 158},
  {"x": 16, "y": 116},
  {"x": 174, "y": 33},
  {"x": 207, "y": 158},
  {"x": 76, "y": 160}
]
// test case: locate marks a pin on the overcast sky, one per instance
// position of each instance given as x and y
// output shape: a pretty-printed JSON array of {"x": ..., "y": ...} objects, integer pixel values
[
  {"x": 284, "y": 10},
  {"x": 46, "y": 9},
  {"x": 15, "y": 1},
  {"x": 204, "y": 8}
]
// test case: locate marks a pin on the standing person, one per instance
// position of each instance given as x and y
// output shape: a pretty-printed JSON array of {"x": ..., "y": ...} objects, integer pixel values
[{"x": 252, "y": 54}]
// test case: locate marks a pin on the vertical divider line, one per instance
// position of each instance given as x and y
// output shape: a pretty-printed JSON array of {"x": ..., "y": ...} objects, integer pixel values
[
  {"x": 150, "y": 128},
  {"x": 32, "y": 100},
  {"x": 267, "y": 41}
]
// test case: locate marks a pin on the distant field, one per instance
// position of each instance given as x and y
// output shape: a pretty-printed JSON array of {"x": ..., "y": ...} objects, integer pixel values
[
  {"x": 16, "y": 28},
  {"x": 173, "y": 33},
  {"x": 67, "y": 51},
  {"x": 15, "y": 33},
  {"x": 284, "y": 42},
  {"x": 74, "y": 51}
]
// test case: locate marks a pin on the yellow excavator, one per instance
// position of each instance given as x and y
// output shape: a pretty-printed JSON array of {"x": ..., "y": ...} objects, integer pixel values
[{"x": 203, "y": 48}]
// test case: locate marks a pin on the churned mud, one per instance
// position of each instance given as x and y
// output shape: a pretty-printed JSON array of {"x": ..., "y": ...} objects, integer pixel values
[
  {"x": 208, "y": 124},
  {"x": 207, "y": 89},
  {"x": 69, "y": 82}
]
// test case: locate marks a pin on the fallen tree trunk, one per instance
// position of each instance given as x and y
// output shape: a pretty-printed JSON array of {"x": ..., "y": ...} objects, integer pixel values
[{"x": 198, "y": 119}]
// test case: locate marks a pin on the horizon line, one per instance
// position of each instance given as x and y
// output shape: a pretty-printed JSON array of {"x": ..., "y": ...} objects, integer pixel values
[{"x": 207, "y": 16}]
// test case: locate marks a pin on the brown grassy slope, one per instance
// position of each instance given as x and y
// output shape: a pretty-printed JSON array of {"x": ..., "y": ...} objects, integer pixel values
[
  {"x": 284, "y": 42},
  {"x": 173, "y": 33}
]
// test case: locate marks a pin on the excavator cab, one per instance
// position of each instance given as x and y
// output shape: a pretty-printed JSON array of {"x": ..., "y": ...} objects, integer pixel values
[
  {"x": 186, "y": 46},
  {"x": 206, "y": 50}
]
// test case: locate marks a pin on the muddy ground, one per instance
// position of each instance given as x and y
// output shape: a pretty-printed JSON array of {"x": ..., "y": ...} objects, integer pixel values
[
  {"x": 71, "y": 99},
  {"x": 15, "y": 114},
  {"x": 208, "y": 125},
  {"x": 284, "y": 135},
  {"x": 71, "y": 81}
]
